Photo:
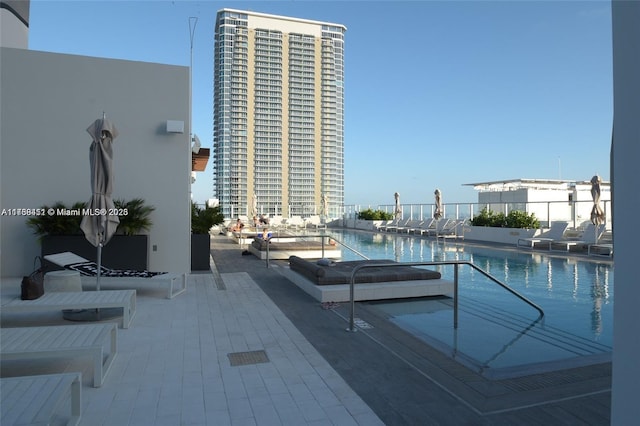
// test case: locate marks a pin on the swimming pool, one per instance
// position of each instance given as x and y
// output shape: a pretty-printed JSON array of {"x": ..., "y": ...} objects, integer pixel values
[{"x": 497, "y": 333}]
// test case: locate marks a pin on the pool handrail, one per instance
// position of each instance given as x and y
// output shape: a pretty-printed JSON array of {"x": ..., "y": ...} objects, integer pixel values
[
  {"x": 456, "y": 264},
  {"x": 322, "y": 237}
]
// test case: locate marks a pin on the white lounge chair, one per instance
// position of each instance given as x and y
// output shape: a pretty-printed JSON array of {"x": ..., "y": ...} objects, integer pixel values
[
  {"x": 555, "y": 232},
  {"x": 590, "y": 235},
  {"x": 441, "y": 226},
  {"x": 409, "y": 226},
  {"x": 97, "y": 340},
  {"x": 176, "y": 283},
  {"x": 398, "y": 224},
  {"x": 454, "y": 229},
  {"x": 383, "y": 226},
  {"x": 294, "y": 222},
  {"x": 315, "y": 222},
  {"x": 125, "y": 299},
  {"x": 31, "y": 400},
  {"x": 424, "y": 228}
]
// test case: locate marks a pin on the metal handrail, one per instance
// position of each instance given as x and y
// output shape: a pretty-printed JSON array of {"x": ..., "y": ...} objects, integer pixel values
[
  {"x": 322, "y": 237},
  {"x": 456, "y": 264}
]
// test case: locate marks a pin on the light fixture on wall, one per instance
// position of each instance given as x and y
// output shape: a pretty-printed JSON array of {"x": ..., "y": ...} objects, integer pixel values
[{"x": 175, "y": 126}]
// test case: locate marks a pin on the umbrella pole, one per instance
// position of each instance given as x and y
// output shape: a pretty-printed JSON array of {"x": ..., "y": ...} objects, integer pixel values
[{"x": 99, "y": 262}]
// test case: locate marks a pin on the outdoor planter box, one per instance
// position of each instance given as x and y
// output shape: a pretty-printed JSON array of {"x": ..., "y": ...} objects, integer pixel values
[
  {"x": 200, "y": 252},
  {"x": 498, "y": 235},
  {"x": 121, "y": 252}
]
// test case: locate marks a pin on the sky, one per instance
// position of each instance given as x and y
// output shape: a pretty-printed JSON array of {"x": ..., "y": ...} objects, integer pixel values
[{"x": 438, "y": 94}]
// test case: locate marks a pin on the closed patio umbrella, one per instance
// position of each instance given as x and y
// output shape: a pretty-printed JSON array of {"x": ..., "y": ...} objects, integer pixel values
[
  {"x": 100, "y": 224},
  {"x": 437, "y": 214},
  {"x": 597, "y": 214},
  {"x": 398, "y": 210},
  {"x": 324, "y": 205},
  {"x": 254, "y": 205}
]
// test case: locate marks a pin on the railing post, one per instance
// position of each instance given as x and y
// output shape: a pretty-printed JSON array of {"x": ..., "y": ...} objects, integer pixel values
[
  {"x": 268, "y": 243},
  {"x": 455, "y": 296},
  {"x": 352, "y": 302}
]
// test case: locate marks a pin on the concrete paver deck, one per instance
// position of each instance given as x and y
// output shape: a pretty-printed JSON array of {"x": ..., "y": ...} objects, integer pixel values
[{"x": 174, "y": 367}]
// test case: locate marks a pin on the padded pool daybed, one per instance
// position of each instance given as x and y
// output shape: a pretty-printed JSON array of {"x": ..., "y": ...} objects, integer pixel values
[
  {"x": 286, "y": 247},
  {"x": 330, "y": 283}
]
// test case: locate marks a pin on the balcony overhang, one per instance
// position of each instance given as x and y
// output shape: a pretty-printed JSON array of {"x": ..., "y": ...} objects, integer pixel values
[{"x": 199, "y": 161}]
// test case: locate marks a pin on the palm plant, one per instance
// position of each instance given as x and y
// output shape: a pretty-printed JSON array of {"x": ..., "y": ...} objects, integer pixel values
[
  {"x": 137, "y": 218},
  {"x": 203, "y": 219},
  {"x": 57, "y": 220}
]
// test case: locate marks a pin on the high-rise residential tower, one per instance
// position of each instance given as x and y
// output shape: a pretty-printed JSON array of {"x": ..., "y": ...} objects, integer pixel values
[{"x": 278, "y": 115}]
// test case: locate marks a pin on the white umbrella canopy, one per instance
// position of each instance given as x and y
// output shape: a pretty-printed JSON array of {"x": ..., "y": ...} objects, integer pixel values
[
  {"x": 398, "y": 210},
  {"x": 100, "y": 225},
  {"x": 437, "y": 214}
]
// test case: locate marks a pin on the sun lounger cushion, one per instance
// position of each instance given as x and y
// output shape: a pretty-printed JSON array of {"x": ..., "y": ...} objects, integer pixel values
[
  {"x": 86, "y": 267},
  {"x": 91, "y": 269},
  {"x": 176, "y": 283},
  {"x": 340, "y": 272},
  {"x": 261, "y": 245}
]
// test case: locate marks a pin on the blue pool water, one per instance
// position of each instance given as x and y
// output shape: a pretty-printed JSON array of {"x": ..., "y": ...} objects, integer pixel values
[{"x": 498, "y": 333}]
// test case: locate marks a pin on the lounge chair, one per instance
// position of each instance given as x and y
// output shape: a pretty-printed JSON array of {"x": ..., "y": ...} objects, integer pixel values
[
  {"x": 409, "y": 226},
  {"x": 55, "y": 341},
  {"x": 600, "y": 250},
  {"x": 294, "y": 222},
  {"x": 452, "y": 229},
  {"x": 441, "y": 226},
  {"x": 383, "y": 226},
  {"x": 125, "y": 299},
  {"x": 176, "y": 283},
  {"x": 425, "y": 227},
  {"x": 315, "y": 222},
  {"x": 31, "y": 400},
  {"x": 590, "y": 235},
  {"x": 555, "y": 232},
  {"x": 396, "y": 225}
]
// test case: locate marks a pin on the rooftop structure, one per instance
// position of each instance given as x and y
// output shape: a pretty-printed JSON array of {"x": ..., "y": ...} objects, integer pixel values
[{"x": 548, "y": 199}]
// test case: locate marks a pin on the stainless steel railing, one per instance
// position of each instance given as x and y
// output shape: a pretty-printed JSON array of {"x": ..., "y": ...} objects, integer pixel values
[
  {"x": 456, "y": 264},
  {"x": 323, "y": 238}
]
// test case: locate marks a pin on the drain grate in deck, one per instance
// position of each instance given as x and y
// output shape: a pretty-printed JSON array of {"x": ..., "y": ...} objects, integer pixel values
[{"x": 248, "y": 358}]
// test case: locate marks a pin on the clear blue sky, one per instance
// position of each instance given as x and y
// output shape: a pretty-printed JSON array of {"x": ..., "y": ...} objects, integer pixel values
[{"x": 438, "y": 94}]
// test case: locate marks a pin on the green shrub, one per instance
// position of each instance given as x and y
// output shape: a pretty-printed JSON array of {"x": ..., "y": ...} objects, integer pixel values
[
  {"x": 520, "y": 219},
  {"x": 369, "y": 214},
  {"x": 57, "y": 224},
  {"x": 203, "y": 219},
  {"x": 515, "y": 219},
  {"x": 137, "y": 218}
]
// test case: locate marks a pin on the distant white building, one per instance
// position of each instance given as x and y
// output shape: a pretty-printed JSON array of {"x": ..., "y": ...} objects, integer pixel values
[{"x": 548, "y": 199}]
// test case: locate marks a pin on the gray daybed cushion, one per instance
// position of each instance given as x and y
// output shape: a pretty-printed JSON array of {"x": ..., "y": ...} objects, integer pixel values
[
  {"x": 260, "y": 244},
  {"x": 340, "y": 272}
]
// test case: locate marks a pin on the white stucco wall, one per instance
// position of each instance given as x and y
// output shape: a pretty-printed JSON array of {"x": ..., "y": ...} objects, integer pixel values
[
  {"x": 48, "y": 101},
  {"x": 13, "y": 32},
  {"x": 626, "y": 180}
]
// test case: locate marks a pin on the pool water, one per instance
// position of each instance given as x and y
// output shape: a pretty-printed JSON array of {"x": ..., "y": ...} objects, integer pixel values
[{"x": 498, "y": 334}]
